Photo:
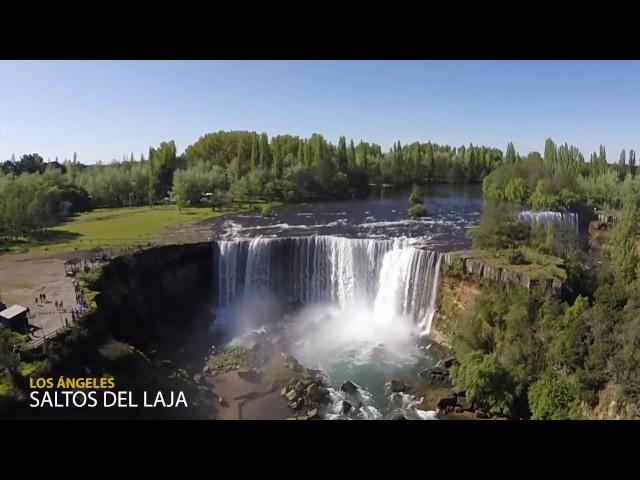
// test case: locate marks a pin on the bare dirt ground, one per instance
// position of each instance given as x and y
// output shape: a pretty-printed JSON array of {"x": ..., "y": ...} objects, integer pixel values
[{"x": 23, "y": 277}]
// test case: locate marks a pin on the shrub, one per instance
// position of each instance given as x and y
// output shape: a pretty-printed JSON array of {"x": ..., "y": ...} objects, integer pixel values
[
  {"x": 487, "y": 383},
  {"x": 455, "y": 268},
  {"x": 266, "y": 210},
  {"x": 417, "y": 210},
  {"x": 554, "y": 397},
  {"x": 415, "y": 196},
  {"x": 516, "y": 257}
]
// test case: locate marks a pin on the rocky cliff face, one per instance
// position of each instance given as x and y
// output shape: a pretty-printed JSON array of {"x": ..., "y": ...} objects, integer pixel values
[
  {"x": 600, "y": 236},
  {"x": 146, "y": 333},
  {"x": 478, "y": 268},
  {"x": 456, "y": 298},
  {"x": 612, "y": 405},
  {"x": 152, "y": 297}
]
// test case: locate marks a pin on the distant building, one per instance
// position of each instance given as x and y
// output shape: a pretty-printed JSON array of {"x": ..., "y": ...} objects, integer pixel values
[{"x": 15, "y": 318}]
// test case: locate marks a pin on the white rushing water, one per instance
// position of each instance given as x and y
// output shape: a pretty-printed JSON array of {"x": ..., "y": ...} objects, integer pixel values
[
  {"x": 392, "y": 275},
  {"x": 559, "y": 219}
]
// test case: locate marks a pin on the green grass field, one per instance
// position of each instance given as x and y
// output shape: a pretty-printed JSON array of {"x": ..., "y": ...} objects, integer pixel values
[
  {"x": 117, "y": 227},
  {"x": 540, "y": 266}
]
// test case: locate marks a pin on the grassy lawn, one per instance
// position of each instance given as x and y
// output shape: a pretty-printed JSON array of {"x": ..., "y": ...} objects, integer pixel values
[{"x": 117, "y": 227}]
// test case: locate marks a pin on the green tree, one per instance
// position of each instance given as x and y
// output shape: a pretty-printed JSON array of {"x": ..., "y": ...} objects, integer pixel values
[
  {"x": 265, "y": 152},
  {"x": 255, "y": 152},
  {"x": 487, "y": 383},
  {"x": 550, "y": 155},
  {"x": 417, "y": 170},
  {"x": 164, "y": 162},
  {"x": 343, "y": 160},
  {"x": 416, "y": 195},
  {"x": 430, "y": 162},
  {"x": 623, "y": 159},
  {"x": 554, "y": 397},
  {"x": 625, "y": 241},
  {"x": 516, "y": 191},
  {"x": 277, "y": 158},
  {"x": 539, "y": 198},
  {"x": 352, "y": 156},
  {"x": 300, "y": 154},
  {"x": 510, "y": 156}
]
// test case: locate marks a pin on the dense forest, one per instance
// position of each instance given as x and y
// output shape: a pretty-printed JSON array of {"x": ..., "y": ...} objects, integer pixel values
[
  {"x": 527, "y": 353},
  {"x": 237, "y": 166},
  {"x": 226, "y": 167}
]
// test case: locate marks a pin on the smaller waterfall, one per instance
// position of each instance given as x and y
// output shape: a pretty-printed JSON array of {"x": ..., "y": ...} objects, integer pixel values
[{"x": 567, "y": 220}]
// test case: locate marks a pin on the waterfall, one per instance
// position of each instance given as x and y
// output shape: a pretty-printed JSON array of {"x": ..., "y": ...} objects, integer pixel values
[
  {"x": 560, "y": 219},
  {"x": 395, "y": 277},
  {"x": 408, "y": 279}
]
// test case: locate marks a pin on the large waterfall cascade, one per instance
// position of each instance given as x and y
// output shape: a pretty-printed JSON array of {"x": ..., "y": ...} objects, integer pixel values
[
  {"x": 393, "y": 275},
  {"x": 559, "y": 219}
]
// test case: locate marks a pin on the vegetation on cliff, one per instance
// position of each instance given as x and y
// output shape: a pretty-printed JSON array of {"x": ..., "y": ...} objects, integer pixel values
[{"x": 527, "y": 353}]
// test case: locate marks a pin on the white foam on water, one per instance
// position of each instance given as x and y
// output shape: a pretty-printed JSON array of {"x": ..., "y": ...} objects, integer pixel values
[{"x": 427, "y": 414}]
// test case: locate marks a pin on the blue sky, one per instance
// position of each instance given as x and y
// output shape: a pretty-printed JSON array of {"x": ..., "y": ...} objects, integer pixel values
[{"x": 103, "y": 110}]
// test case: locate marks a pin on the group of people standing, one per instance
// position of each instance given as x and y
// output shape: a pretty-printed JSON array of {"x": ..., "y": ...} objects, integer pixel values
[{"x": 76, "y": 313}]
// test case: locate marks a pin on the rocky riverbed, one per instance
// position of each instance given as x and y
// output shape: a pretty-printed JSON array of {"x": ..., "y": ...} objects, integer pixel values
[{"x": 255, "y": 377}]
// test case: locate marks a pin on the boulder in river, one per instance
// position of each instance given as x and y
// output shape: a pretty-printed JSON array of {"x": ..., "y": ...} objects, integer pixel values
[
  {"x": 346, "y": 407},
  {"x": 439, "y": 370},
  {"x": 323, "y": 395},
  {"x": 464, "y": 404},
  {"x": 459, "y": 391},
  {"x": 315, "y": 393},
  {"x": 481, "y": 414},
  {"x": 291, "y": 395},
  {"x": 250, "y": 375},
  {"x": 447, "y": 401},
  {"x": 399, "y": 416},
  {"x": 400, "y": 386},
  {"x": 448, "y": 362},
  {"x": 349, "y": 387}
]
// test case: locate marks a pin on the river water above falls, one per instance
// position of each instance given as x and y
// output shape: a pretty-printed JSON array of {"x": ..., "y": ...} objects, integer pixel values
[
  {"x": 451, "y": 210},
  {"x": 362, "y": 277}
]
